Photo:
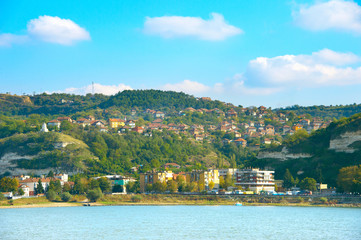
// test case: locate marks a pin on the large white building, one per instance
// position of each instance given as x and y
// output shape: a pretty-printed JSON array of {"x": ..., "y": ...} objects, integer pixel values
[{"x": 255, "y": 180}]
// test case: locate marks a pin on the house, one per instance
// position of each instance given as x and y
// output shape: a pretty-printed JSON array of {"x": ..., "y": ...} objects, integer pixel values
[
  {"x": 130, "y": 123},
  {"x": 231, "y": 113},
  {"x": 159, "y": 114},
  {"x": 118, "y": 180},
  {"x": 133, "y": 112},
  {"x": 241, "y": 142},
  {"x": 255, "y": 180},
  {"x": 304, "y": 122},
  {"x": 270, "y": 130},
  {"x": 266, "y": 141},
  {"x": 198, "y": 137},
  {"x": 84, "y": 122},
  {"x": 65, "y": 119},
  {"x": 297, "y": 127},
  {"x": 98, "y": 123},
  {"x": 138, "y": 129},
  {"x": 26, "y": 190},
  {"x": 54, "y": 123},
  {"x": 286, "y": 129},
  {"x": 251, "y": 129},
  {"x": 157, "y": 120},
  {"x": 116, "y": 122}
]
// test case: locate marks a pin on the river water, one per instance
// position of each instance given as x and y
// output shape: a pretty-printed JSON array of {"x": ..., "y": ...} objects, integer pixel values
[{"x": 181, "y": 222}]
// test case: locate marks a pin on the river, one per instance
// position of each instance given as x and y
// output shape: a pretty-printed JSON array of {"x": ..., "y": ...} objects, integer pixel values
[{"x": 181, "y": 222}]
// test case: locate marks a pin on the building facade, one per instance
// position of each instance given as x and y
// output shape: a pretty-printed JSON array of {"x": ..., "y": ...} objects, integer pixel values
[{"x": 255, "y": 180}]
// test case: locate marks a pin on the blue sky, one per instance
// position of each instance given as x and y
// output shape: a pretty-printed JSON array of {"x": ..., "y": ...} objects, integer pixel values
[{"x": 273, "y": 53}]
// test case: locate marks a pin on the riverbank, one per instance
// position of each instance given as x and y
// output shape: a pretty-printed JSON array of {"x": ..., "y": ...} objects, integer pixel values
[{"x": 173, "y": 199}]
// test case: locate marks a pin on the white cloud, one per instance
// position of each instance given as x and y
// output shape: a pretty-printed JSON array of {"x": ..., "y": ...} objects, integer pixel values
[
  {"x": 230, "y": 88},
  {"x": 98, "y": 88},
  {"x": 335, "y": 14},
  {"x": 7, "y": 39},
  {"x": 56, "y": 30},
  {"x": 323, "y": 68},
  {"x": 214, "y": 29},
  {"x": 187, "y": 86}
]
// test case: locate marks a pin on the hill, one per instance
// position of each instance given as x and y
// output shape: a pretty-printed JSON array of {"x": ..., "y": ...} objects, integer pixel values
[
  {"x": 320, "y": 155},
  {"x": 31, "y": 152},
  {"x": 157, "y": 99}
]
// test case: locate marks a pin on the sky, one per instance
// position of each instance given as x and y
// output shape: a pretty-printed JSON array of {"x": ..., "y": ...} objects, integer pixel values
[{"x": 250, "y": 53}]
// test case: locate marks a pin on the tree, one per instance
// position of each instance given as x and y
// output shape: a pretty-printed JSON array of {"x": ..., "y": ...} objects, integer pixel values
[
  {"x": 50, "y": 174},
  {"x": 39, "y": 187},
  {"x": 211, "y": 185},
  {"x": 65, "y": 196},
  {"x": 55, "y": 186},
  {"x": 8, "y": 184},
  {"x": 66, "y": 187},
  {"x": 308, "y": 184},
  {"x": 21, "y": 192},
  {"x": 349, "y": 179},
  {"x": 51, "y": 195},
  {"x": 104, "y": 184},
  {"x": 228, "y": 182},
  {"x": 172, "y": 186},
  {"x": 221, "y": 182},
  {"x": 94, "y": 194},
  {"x": 288, "y": 180},
  {"x": 65, "y": 126}
]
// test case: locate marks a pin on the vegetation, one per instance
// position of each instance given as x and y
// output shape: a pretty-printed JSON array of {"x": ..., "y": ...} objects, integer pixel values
[{"x": 349, "y": 179}]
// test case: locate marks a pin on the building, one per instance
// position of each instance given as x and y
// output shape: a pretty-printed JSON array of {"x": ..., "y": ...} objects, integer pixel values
[
  {"x": 116, "y": 123},
  {"x": 54, "y": 123},
  {"x": 118, "y": 180},
  {"x": 224, "y": 172},
  {"x": 153, "y": 177},
  {"x": 241, "y": 142},
  {"x": 255, "y": 180},
  {"x": 204, "y": 177}
]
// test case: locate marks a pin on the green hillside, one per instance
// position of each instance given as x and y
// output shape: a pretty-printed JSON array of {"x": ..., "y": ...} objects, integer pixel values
[{"x": 324, "y": 163}]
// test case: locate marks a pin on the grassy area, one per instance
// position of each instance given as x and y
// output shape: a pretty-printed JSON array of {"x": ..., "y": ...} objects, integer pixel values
[{"x": 173, "y": 199}]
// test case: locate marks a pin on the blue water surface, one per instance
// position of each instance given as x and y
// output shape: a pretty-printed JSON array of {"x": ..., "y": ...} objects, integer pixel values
[{"x": 180, "y": 222}]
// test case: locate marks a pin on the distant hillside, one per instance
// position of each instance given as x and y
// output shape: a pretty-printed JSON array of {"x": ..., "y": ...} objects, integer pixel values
[
  {"x": 157, "y": 99},
  {"x": 337, "y": 112},
  {"x": 320, "y": 155},
  {"x": 28, "y": 153}
]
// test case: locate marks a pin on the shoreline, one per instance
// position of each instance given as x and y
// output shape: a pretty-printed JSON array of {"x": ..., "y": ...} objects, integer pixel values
[
  {"x": 174, "y": 200},
  {"x": 97, "y": 204}
]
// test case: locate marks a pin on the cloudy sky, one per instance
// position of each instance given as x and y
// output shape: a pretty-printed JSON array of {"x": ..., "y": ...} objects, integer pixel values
[{"x": 273, "y": 53}]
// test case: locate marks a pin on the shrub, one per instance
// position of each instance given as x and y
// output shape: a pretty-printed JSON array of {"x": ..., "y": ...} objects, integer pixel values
[
  {"x": 136, "y": 198},
  {"x": 65, "y": 196},
  {"x": 2, "y": 197},
  {"x": 51, "y": 195},
  {"x": 94, "y": 194},
  {"x": 323, "y": 200}
]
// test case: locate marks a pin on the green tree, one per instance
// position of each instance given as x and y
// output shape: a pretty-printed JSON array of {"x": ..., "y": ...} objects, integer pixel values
[
  {"x": 65, "y": 126},
  {"x": 349, "y": 179},
  {"x": 21, "y": 192},
  {"x": 104, "y": 184},
  {"x": 55, "y": 186},
  {"x": 308, "y": 184},
  {"x": 66, "y": 187},
  {"x": 228, "y": 182},
  {"x": 66, "y": 196},
  {"x": 172, "y": 186},
  {"x": 50, "y": 174},
  {"x": 51, "y": 195},
  {"x": 94, "y": 194},
  {"x": 39, "y": 187},
  {"x": 8, "y": 184},
  {"x": 288, "y": 180}
]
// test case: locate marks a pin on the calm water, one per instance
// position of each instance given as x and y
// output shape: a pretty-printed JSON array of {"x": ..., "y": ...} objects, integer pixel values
[{"x": 180, "y": 222}]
